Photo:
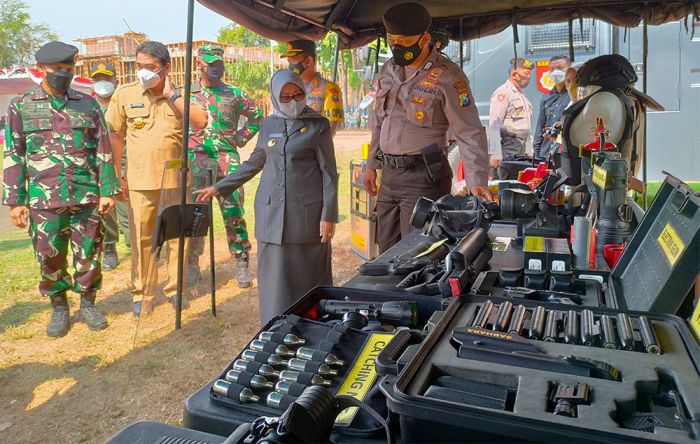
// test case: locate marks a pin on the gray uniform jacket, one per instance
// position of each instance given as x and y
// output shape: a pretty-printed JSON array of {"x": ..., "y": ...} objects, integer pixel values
[
  {"x": 416, "y": 108},
  {"x": 510, "y": 116},
  {"x": 299, "y": 183}
]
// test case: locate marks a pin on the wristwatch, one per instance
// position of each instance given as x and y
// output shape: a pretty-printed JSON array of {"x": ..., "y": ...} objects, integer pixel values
[{"x": 176, "y": 95}]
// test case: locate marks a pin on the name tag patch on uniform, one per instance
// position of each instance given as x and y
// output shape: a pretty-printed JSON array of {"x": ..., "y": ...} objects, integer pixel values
[{"x": 137, "y": 105}]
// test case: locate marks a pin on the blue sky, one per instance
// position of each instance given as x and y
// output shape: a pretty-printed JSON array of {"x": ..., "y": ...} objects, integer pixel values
[{"x": 163, "y": 20}]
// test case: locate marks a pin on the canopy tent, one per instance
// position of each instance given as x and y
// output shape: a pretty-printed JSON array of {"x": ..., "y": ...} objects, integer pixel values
[{"x": 359, "y": 21}]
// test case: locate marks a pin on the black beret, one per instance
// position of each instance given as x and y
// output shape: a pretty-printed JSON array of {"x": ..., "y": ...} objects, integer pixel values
[
  {"x": 56, "y": 52},
  {"x": 607, "y": 71},
  {"x": 407, "y": 19},
  {"x": 522, "y": 63},
  {"x": 296, "y": 47}
]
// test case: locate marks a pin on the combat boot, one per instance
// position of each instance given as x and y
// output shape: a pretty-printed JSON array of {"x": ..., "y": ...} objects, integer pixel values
[
  {"x": 241, "y": 271},
  {"x": 88, "y": 312},
  {"x": 110, "y": 259},
  {"x": 60, "y": 318}
]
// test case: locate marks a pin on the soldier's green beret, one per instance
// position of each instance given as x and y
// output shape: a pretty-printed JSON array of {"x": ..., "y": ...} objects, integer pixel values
[
  {"x": 56, "y": 52},
  {"x": 407, "y": 19},
  {"x": 211, "y": 53}
]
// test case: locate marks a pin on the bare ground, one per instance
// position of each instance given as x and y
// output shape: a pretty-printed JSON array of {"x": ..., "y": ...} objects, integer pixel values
[{"x": 88, "y": 385}]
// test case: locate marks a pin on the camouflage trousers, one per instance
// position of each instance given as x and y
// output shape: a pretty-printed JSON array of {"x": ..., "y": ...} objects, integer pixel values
[
  {"x": 232, "y": 213},
  {"x": 51, "y": 231}
]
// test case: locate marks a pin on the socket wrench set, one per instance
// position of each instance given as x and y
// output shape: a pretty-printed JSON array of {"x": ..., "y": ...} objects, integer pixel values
[
  {"x": 323, "y": 339},
  {"x": 531, "y": 371}
]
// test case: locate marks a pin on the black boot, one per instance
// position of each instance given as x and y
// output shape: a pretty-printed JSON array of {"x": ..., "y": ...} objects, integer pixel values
[
  {"x": 89, "y": 314},
  {"x": 241, "y": 271},
  {"x": 60, "y": 318},
  {"x": 110, "y": 259}
]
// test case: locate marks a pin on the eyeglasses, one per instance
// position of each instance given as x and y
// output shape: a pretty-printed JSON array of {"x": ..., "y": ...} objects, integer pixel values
[{"x": 286, "y": 99}]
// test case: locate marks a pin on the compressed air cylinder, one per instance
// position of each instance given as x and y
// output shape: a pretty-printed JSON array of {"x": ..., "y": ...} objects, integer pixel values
[{"x": 582, "y": 241}]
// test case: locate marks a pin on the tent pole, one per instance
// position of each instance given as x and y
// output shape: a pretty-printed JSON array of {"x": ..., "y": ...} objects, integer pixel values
[
  {"x": 461, "y": 43},
  {"x": 645, "y": 53},
  {"x": 336, "y": 58},
  {"x": 184, "y": 168}
]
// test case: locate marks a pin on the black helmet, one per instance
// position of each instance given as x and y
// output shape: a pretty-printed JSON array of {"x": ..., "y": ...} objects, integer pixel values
[{"x": 607, "y": 71}]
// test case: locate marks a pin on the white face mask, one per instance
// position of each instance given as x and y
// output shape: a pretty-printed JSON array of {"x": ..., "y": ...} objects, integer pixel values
[
  {"x": 292, "y": 108},
  {"x": 148, "y": 79},
  {"x": 104, "y": 88},
  {"x": 558, "y": 76}
]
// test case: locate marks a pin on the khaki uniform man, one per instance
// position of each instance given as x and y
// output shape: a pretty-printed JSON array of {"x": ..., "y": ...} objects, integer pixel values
[
  {"x": 147, "y": 114},
  {"x": 322, "y": 95},
  {"x": 421, "y": 96},
  {"x": 510, "y": 117}
]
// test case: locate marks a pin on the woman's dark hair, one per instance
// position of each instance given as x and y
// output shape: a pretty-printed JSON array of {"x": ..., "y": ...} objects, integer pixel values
[{"x": 155, "y": 49}]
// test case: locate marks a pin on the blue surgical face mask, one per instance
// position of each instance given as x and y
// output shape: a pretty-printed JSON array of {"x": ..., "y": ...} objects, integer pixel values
[{"x": 558, "y": 76}]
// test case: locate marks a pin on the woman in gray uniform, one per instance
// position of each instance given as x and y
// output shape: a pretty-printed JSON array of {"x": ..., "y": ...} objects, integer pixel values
[{"x": 296, "y": 204}]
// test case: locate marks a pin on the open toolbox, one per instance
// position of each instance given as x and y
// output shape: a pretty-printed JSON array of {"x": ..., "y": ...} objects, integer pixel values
[
  {"x": 531, "y": 371},
  {"x": 655, "y": 272},
  {"x": 301, "y": 348}
]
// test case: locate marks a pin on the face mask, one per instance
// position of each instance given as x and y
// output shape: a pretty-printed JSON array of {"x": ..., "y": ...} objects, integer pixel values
[
  {"x": 148, "y": 79},
  {"x": 292, "y": 108},
  {"x": 522, "y": 81},
  {"x": 104, "y": 88},
  {"x": 405, "y": 55},
  {"x": 59, "y": 80},
  {"x": 214, "y": 73},
  {"x": 297, "y": 67},
  {"x": 558, "y": 76}
]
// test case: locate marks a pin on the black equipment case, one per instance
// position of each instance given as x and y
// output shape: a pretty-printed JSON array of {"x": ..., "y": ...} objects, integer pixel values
[
  {"x": 491, "y": 394},
  {"x": 499, "y": 368},
  {"x": 210, "y": 412}
]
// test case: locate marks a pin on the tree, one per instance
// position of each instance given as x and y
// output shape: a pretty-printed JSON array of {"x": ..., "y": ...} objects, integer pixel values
[
  {"x": 19, "y": 37},
  {"x": 235, "y": 34}
]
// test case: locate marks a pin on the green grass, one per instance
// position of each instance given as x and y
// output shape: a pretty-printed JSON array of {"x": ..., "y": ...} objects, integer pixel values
[{"x": 653, "y": 188}]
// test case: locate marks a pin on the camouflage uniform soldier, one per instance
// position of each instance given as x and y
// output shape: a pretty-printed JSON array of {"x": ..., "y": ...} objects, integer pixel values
[
  {"x": 59, "y": 177},
  {"x": 218, "y": 144}
]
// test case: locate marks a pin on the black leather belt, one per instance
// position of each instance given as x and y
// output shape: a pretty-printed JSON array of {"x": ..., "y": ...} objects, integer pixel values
[{"x": 402, "y": 162}]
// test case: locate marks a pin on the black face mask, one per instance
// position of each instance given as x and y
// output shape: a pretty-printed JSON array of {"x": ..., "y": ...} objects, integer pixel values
[
  {"x": 297, "y": 67},
  {"x": 214, "y": 73},
  {"x": 59, "y": 80},
  {"x": 522, "y": 81},
  {"x": 405, "y": 55}
]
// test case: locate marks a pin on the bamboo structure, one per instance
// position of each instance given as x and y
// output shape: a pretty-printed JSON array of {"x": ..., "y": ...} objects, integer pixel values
[{"x": 120, "y": 51}]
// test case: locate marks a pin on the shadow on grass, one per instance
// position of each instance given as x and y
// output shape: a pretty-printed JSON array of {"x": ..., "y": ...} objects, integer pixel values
[
  {"x": 15, "y": 244},
  {"x": 83, "y": 401},
  {"x": 20, "y": 313}
]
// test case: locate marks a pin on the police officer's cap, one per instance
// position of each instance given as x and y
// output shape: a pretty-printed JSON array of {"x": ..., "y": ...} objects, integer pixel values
[
  {"x": 296, "y": 47},
  {"x": 607, "y": 71},
  {"x": 56, "y": 52},
  {"x": 407, "y": 19},
  {"x": 522, "y": 63},
  {"x": 102, "y": 68}
]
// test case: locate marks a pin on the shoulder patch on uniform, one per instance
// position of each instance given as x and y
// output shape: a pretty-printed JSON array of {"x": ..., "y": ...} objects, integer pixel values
[
  {"x": 463, "y": 99},
  {"x": 501, "y": 97},
  {"x": 461, "y": 87},
  {"x": 435, "y": 73}
]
